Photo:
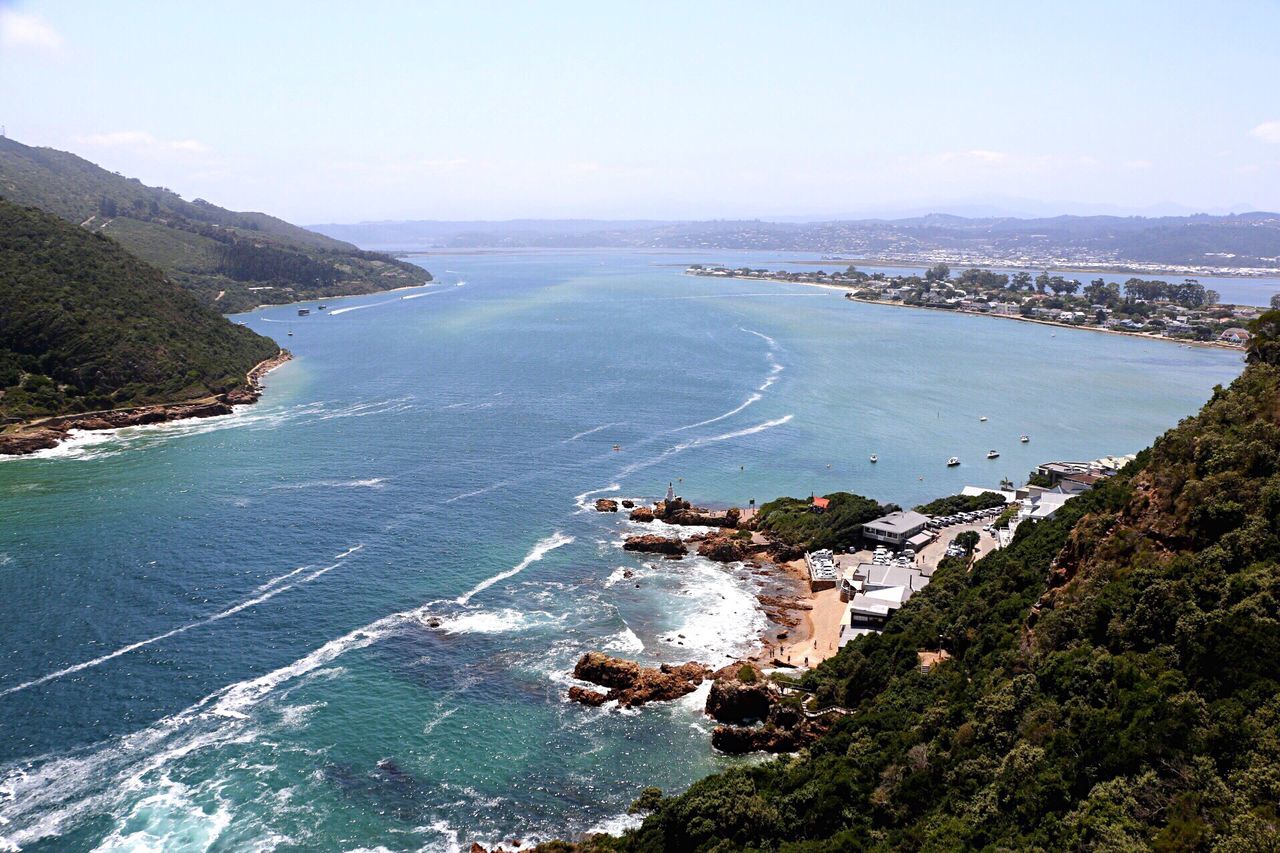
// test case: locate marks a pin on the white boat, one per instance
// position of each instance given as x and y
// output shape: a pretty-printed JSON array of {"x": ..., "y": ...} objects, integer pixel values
[
  {"x": 1024, "y": 438},
  {"x": 993, "y": 454},
  {"x": 983, "y": 418},
  {"x": 953, "y": 461},
  {"x": 874, "y": 458}
]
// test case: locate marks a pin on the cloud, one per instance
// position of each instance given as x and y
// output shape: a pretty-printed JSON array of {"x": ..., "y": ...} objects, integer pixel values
[
  {"x": 22, "y": 30},
  {"x": 1268, "y": 131},
  {"x": 142, "y": 142}
]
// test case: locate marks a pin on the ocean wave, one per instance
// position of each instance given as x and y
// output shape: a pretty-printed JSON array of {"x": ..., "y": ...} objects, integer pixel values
[
  {"x": 265, "y": 592},
  {"x": 502, "y": 621},
  {"x": 540, "y": 550},
  {"x": 581, "y": 502}
]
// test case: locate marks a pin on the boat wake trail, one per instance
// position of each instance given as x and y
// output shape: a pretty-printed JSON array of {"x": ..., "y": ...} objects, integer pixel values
[
  {"x": 592, "y": 431},
  {"x": 540, "y": 550},
  {"x": 265, "y": 592},
  {"x": 755, "y": 397},
  {"x": 700, "y": 442}
]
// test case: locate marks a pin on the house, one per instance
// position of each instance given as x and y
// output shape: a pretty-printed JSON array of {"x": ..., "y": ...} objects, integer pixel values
[
  {"x": 899, "y": 530},
  {"x": 1235, "y": 336},
  {"x": 819, "y": 504}
]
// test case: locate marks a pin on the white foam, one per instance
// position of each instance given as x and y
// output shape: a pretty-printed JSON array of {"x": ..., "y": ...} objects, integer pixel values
[
  {"x": 625, "y": 641},
  {"x": 585, "y": 505},
  {"x": 535, "y": 554},
  {"x": 616, "y": 825},
  {"x": 336, "y": 311},
  {"x": 756, "y": 397},
  {"x": 723, "y": 617},
  {"x": 503, "y": 621},
  {"x": 167, "y": 820}
]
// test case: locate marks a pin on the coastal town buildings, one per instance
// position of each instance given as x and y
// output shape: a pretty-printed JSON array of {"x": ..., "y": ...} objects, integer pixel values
[{"x": 899, "y": 530}]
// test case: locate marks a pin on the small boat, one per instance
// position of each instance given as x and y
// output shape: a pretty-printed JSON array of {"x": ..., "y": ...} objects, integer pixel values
[
  {"x": 983, "y": 418},
  {"x": 291, "y": 333},
  {"x": 1024, "y": 438},
  {"x": 993, "y": 454},
  {"x": 617, "y": 447},
  {"x": 320, "y": 308},
  {"x": 953, "y": 461},
  {"x": 874, "y": 458},
  {"x": 302, "y": 312}
]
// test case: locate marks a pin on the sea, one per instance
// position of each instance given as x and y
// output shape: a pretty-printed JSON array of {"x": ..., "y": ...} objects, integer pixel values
[{"x": 346, "y": 617}]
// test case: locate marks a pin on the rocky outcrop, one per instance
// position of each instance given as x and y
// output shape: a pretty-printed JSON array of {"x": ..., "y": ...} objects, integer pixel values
[
  {"x": 723, "y": 549},
  {"x": 49, "y": 432},
  {"x": 631, "y": 684},
  {"x": 628, "y": 504},
  {"x": 787, "y": 729},
  {"x": 649, "y": 543},
  {"x": 606, "y": 505},
  {"x": 642, "y": 514},
  {"x": 594, "y": 698},
  {"x": 740, "y": 694}
]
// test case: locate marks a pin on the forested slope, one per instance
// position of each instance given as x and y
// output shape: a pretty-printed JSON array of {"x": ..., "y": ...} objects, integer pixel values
[
  {"x": 1114, "y": 681},
  {"x": 230, "y": 259},
  {"x": 84, "y": 325}
]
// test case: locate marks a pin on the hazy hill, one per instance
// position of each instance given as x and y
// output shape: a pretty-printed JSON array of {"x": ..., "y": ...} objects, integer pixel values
[
  {"x": 203, "y": 247},
  {"x": 1113, "y": 681},
  {"x": 1243, "y": 240},
  {"x": 84, "y": 325}
]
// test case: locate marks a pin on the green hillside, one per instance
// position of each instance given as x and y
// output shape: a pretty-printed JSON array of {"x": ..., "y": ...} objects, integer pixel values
[
  {"x": 248, "y": 258},
  {"x": 1114, "y": 681},
  {"x": 84, "y": 325}
]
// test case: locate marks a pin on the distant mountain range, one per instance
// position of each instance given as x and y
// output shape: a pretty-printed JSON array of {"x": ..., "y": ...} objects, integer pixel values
[
  {"x": 1231, "y": 242},
  {"x": 229, "y": 259}
]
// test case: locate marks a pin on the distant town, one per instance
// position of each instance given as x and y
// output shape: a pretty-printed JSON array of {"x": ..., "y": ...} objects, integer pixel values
[{"x": 1183, "y": 311}]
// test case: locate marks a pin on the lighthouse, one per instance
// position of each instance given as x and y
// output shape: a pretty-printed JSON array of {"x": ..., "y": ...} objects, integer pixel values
[{"x": 671, "y": 492}]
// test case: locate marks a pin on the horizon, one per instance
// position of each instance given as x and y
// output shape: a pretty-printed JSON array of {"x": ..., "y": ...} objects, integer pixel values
[{"x": 493, "y": 113}]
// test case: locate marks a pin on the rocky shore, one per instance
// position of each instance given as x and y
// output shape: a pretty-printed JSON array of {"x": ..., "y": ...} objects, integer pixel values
[
  {"x": 46, "y": 433},
  {"x": 752, "y": 712}
]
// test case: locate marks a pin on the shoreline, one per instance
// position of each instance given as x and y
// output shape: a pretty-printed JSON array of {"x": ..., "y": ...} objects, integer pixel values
[
  {"x": 45, "y": 433},
  {"x": 849, "y": 295},
  {"x": 325, "y": 298}
]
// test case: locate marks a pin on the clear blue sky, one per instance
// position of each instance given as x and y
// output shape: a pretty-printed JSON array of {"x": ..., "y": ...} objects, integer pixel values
[{"x": 326, "y": 111}]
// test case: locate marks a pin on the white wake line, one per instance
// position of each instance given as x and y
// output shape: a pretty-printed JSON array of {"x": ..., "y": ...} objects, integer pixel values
[
  {"x": 755, "y": 397},
  {"x": 268, "y": 590},
  {"x": 699, "y": 442},
  {"x": 538, "y": 551},
  {"x": 592, "y": 431},
  {"x": 336, "y": 311}
]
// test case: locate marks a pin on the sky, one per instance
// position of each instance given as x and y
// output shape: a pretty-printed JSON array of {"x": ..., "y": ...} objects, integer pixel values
[{"x": 338, "y": 112}]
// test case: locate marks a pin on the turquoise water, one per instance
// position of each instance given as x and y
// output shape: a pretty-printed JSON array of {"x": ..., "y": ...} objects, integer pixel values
[{"x": 218, "y": 634}]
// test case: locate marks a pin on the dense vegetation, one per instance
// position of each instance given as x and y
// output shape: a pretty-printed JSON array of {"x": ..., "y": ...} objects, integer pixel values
[
  {"x": 229, "y": 259},
  {"x": 793, "y": 520},
  {"x": 84, "y": 325},
  {"x": 962, "y": 503},
  {"x": 1113, "y": 680}
]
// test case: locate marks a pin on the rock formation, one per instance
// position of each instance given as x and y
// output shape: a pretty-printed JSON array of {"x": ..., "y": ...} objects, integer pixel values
[
  {"x": 606, "y": 505},
  {"x": 632, "y": 684},
  {"x": 641, "y": 513},
  {"x": 653, "y": 544},
  {"x": 737, "y": 697},
  {"x": 723, "y": 549}
]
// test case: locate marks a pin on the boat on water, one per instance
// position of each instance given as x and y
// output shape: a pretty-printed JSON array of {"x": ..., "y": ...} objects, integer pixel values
[
  {"x": 617, "y": 447},
  {"x": 1024, "y": 438},
  {"x": 983, "y": 418},
  {"x": 291, "y": 333},
  {"x": 320, "y": 308},
  {"x": 993, "y": 454},
  {"x": 874, "y": 458},
  {"x": 302, "y": 312},
  {"x": 953, "y": 461}
]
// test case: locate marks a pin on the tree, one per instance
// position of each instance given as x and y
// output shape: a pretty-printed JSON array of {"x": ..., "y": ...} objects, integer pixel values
[
  {"x": 1212, "y": 297},
  {"x": 1275, "y": 301},
  {"x": 938, "y": 272},
  {"x": 1022, "y": 281},
  {"x": 1042, "y": 282},
  {"x": 1264, "y": 343}
]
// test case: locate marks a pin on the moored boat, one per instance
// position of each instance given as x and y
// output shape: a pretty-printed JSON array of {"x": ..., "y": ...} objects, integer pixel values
[
  {"x": 874, "y": 458},
  {"x": 1024, "y": 438},
  {"x": 993, "y": 454},
  {"x": 953, "y": 461}
]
